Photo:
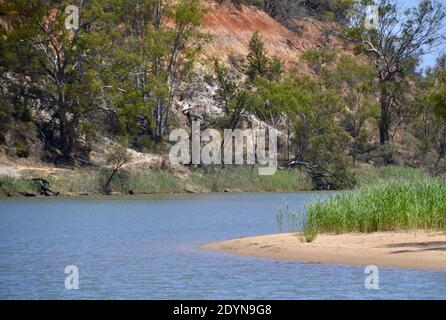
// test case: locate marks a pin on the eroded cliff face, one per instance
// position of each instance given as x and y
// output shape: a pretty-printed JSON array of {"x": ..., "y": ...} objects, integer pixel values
[{"x": 231, "y": 27}]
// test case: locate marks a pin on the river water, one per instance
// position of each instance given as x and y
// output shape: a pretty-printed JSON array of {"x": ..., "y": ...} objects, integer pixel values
[{"x": 147, "y": 248}]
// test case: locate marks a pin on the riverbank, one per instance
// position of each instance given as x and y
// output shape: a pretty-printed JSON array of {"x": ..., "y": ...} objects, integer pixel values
[
  {"x": 91, "y": 180},
  {"x": 405, "y": 249}
]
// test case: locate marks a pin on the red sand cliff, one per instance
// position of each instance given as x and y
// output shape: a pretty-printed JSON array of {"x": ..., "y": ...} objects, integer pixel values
[{"x": 231, "y": 28}]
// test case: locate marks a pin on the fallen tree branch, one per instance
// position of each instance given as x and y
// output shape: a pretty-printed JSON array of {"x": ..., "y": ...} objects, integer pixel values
[
  {"x": 44, "y": 187},
  {"x": 323, "y": 179}
]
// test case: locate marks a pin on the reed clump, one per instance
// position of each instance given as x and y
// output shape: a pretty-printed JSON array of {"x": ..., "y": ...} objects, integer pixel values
[{"x": 389, "y": 206}]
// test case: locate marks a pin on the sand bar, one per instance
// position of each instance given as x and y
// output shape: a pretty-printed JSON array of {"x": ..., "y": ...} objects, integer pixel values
[{"x": 418, "y": 250}]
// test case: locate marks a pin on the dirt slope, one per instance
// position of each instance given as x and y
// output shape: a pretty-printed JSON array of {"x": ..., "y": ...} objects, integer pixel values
[{"x": 231, "y": 28}]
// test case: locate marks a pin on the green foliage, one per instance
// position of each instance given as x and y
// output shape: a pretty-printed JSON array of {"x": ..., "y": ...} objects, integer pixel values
[
  {"x": 149, "y": 59},
  {"x": 55, "y": 65},
  {"x": 234, "y": 99},
  {"x": 278, "y": 98},
  {"x": 289, "y": 221},
  {"x": 120, "y": 74},
  {"x": 372, "y": 175},
  {"x": 237, "y": 179},
  {"x": 16, "y": 127},
  {"x": 387, "y": 199},
  {"x": 259, "y": 64},
  {"x": 22, "y": 149},
  {"x": 318, "y": 60},
  {"x": 427, "y": 126},
  {"x": 385, "y": 207},
  {"x": 275, "y": 69},
  {"x": 322, "y": 111},
  {"x": 227, "y": 88},
  {"x": 257, "y": 59},
  {"x": 124, "y": 59},
  {"x": 359, "y": 90},
  {"x": 117, "y": 157},
  {"x": 286, "y": 219},
  {"x": 438, "y": 97},
  {"x": 319, "y": 138},
  {"x": 401, "y": 39},
  {"x": 13, "y": 186},
  {"x": 245, "y": 178},
  {"x": 5, "y": 120},
  {"x": 308, "y": 234}
]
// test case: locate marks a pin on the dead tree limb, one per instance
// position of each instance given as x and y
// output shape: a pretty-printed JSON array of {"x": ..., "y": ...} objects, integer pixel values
[
  {"x": 44, "y": 187},
  {"x": 323, "y": 179}
]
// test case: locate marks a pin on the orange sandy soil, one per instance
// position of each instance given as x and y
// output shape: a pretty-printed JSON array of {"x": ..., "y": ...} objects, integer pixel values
[
  {"x": 415, "y": 249},
  {"x": 231, "y": 27}
]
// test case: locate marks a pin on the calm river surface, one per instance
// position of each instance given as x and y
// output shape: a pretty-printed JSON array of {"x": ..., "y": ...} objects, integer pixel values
[{"x": 146, "y": 248}]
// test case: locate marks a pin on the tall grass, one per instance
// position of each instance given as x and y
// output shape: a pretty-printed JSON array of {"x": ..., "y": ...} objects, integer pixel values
[
  {"x": 246, "y": 178},
  {"x": 156, "y": 181},
  {"x": 371, "y": 175},
  {"x": 92, "y": 181},
  {"x": 11, "y": 186},
  {"x": 138, "y": 182},
  {"x": 382, "y": 207}
]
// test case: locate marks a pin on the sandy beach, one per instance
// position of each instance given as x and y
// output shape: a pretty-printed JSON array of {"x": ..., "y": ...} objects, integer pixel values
[{"x": 415, "y": 249}]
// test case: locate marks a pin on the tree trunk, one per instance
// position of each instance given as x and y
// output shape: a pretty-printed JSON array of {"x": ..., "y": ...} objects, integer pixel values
[
  {"x": 66, "y": 139},
  {"x": 158, "y": 116},
  {"x": 442, "y": 146},
  {"x": 288, "y": 141},
  {"x": 107, "y": 189},
  {"x": 440, "y": 156},
  {"x": 385, "y": 119}
]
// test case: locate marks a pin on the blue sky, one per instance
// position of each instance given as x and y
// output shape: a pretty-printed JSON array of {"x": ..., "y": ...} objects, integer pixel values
[{"x": 428, "y": 60}]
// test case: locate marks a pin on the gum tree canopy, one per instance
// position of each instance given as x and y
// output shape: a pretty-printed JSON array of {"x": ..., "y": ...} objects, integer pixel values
[{"x": 400, "y": 39}]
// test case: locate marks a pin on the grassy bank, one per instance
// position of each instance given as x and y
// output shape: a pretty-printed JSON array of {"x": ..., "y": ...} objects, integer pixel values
[
  {"x": 389, "y": 206},
  {"x": 387, "y": 198},
  {"x": 232, "y": 178},
  {"x": 13, "y": 186},
  {"x": 92, "y": 181},
  {"x": 248, "y": 179},
  {"x": 371, "y": 175}
]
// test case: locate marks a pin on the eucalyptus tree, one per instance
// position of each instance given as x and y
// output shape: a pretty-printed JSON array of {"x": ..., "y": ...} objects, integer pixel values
[
  {"x": 394, "y": 43},
  {"x": 155, "y": 45},
  {"x": 49, "y": 60},
  {"x": 438, "y": 93},
  {"x": 357, "y": 84},
  {"x": 437, "y": 99}
]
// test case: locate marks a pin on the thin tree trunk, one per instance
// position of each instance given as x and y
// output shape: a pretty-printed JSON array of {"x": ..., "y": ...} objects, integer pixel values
[
  {"x": 385, "y": 119},
  {"x": 442, "y": 147},
  {"x": 65, "y": 138},
  {"x": 288, "y": 148},
  {"x": 107, "y": 185}
]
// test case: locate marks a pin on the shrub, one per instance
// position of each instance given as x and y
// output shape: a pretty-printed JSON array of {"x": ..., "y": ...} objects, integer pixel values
[{"x": 22, "y": 150}]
